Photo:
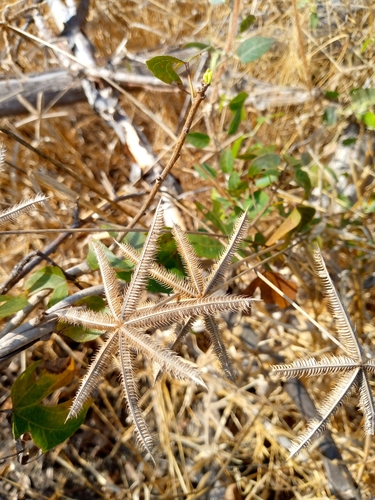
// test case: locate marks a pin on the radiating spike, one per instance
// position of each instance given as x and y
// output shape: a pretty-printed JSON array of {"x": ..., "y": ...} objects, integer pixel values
[
  {"x": 344, "y": 326},
  {"x": 87, "y": 318},
  {"x": 94, "y": 373},
  {"x": 219, "y": 347},
  {"x": 167, "y": 359},
  {"x": 131, "y": 396},
  {"x": 159, "y": 273},
  {"x": 189, "y": 258},
  {"x": 11, "y": 214},
  {"x": 110, "y": 282},
  {"x": 219, "y": 269},
  {"x": 310, "y": 367},
  {"x": 178, "y": 311},
  {"x": 342, "y": 389},
  {"x": 141, "y": 273},
  {"x": 366, "y": 403}
]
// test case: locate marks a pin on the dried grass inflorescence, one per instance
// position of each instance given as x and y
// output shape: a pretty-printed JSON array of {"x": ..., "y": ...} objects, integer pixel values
[{"x": 129, "y": 317}]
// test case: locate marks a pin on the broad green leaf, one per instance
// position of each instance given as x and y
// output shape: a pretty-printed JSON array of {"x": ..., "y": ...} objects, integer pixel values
[
  {"x": 236, "y": 106},
  {"x": 205, "y": 246},
  {"x": 49, "y": 277},
  {"x": 267, "y": 179},
  {"x": 264, "y": 164},
  {"x": 302, "y": 179},
  {"x": 46, "y": 424},
  {"x": 12, "y": 304},
  {"x": 256, "y": 203},
  {"x": 198, "y": 140},
  {"x": 247, "y": 23},
  {"x": 314, "y": 20},
  {"x": 332, "y": 95},
  {"x": 252, "y": 49},
  {"x": 290, "y": 223},
  {"x": 236, "y": 146},
  {"x": 238, "y": 101},
  {"x": 330, "y": 116},
  {"x": 163, "y": 68},
  {"x": 238, "y": 116},
  {"x": 257, "y": 150},
  {"x": 234, "y": 181},
  {"x": 213, "y": 216},
  {"x": 307, "y": 214},
  {"x": 196, "y": 45},
  {"x": 226, "y": 161},
  {"x": 206, "y": 171},
  {"x": 369, "y": 119}
]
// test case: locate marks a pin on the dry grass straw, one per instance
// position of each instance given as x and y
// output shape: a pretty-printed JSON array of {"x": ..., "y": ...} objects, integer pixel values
[{"x": 230, "y": 442}]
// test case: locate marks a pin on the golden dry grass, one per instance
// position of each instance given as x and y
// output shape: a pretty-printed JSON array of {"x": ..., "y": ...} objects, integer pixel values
[{"x": 228, "y": 443}]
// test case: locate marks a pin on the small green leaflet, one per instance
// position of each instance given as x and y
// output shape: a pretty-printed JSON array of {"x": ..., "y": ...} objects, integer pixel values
[
  {"x": 49, "y": 277},
  {"x": 267, "y": 163},
  {"x": 226, "y": 161},
  {"x": 236, "y": 105},
  {"x": 46, "y": 424},
  {"x": 206, "y": 171},
  {"x": 12, "y": 304},
  {"x": 198, "y": 139},
  {"x": 252, "y": 49},
  {"x": 247, "y": 22},
  {"x": 205, "y": 246},
  {"x": 163, "y": 68},
  {"x": 369, "y": 120}
]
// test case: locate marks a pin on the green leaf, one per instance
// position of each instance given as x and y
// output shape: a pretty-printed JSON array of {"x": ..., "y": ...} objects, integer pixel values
[
  {"x": 314, "y": 20},
  {"x": 256, "y": 203},
  {"x": 213, "y": 216},
  {"x": 12, "y": 304},
  {"x": 252, "y": 49},
  {"x": 330, "y": 116},
  {"x": 206, "y": 247},
  {"x": 163, "y": 68},
  {"x": 267, "y": 180},
  {"x": 332, "y": 95},
  {"x": 238, "y": 101},
  {"x": 234, "y": 181},
  {"x": 46, "y": 424},
  {"x": 349, "y": 141},
  {"x": 267, "y": 163},
  {"x": 247, "y": 23},
  {"x": 257, "y": 150},
  {"x": 226, "y": 161},
  {"x": 236, "y": 120},
  {"x": 206, "y": 171},
  {"x": 198, "y": 140},
  {"x": 196, "y": 45},
  {"x": 303, "y": 180},
  {"x": 49, "y": 277},
  {"x": 236, "y": 146},
  {"x": 369, "y": 119},
  {"x": 236, "y": 106}
]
